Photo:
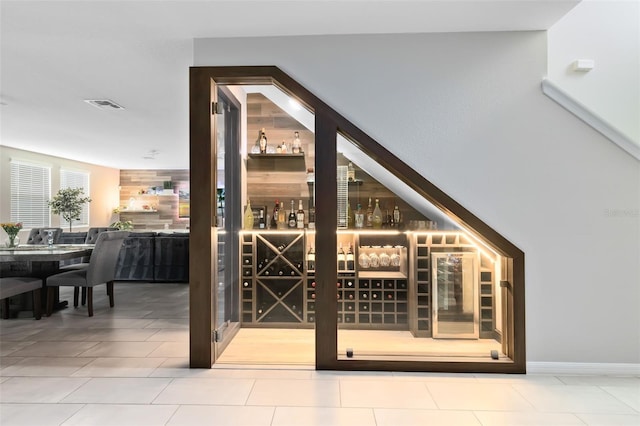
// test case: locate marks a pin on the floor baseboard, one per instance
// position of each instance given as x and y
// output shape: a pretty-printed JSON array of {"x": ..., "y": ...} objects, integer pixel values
[{"x": 583, "y": 368}]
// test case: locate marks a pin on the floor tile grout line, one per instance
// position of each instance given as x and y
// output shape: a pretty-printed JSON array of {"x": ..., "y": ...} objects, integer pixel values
[
  {"x": 637, "y": 411},
  {"x": 535, "y": 408},
  {"x": 426, "y": 385}
]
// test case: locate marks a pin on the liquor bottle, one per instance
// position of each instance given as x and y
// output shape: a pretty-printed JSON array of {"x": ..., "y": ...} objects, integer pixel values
[
  {"x": 377, "y": 216},
  {"x": 387, "y": 220},
  {"x": 248, "y": 216},
  {"x": 396, "y": 216},
  {"x": 263, "y": 142},
  {"x": 300, "y": 216},
  {"x": 282, "y": 215},
  {"x": 292, "y": 217},
  {"x": 350, "y": 259},
  {"x": 359, "y": 217},
  {"x": 311, "y": 259},
  {"x": 369, "y": 217},
  {"x": 350, "y": 217},
  {"x": 262, "y": 224},
  {"x": 274, "y": 216},
  {"x": 283, "y": 147},
  {"x": 351, "y": 172},
  {"x": 341, "y": 259},
  {"x": 296, "y": 146}
]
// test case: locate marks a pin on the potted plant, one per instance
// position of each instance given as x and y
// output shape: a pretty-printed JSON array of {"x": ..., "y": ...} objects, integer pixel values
[
  {"x": 122, "y": 225},
  {"x": 68, "y": 203},
  {"x": 12, "y": 230}
]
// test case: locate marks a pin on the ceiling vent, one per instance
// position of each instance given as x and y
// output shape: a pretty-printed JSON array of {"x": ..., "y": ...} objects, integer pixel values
[{"x": 104, "y": 104}]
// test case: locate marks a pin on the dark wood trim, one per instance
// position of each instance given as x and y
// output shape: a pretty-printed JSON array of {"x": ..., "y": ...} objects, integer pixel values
[
  {"x": 201, "y": 242},
  {"x": 326, "y": 242},
  {"x": 272, "y": 75},
  {"x": 518, "y": 327}
]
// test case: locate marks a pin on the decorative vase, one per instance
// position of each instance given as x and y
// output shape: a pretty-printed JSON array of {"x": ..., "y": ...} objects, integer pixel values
[{"x": 13, "y": 241}]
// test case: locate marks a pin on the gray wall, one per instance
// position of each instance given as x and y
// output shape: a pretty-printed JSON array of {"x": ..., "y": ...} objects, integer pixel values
[{"x": 466, "y": 110}]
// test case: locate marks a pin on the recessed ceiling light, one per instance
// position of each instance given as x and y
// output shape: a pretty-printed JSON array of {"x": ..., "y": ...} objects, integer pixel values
[{"x": 104, "y": 104}]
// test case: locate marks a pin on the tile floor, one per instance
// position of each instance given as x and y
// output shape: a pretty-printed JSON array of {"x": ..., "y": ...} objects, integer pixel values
[{"x": 127, "y": 366}]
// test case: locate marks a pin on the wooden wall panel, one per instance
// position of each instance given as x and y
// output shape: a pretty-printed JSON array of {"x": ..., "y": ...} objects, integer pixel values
[{"x": 135, "y": 185}]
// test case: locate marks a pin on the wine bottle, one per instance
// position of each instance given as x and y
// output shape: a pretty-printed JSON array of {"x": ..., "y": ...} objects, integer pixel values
[
  {"x": 296, "y": 146},
  {"x": 359, "y": 217},
  {"x": 350, "y": 217},
  {"x": 248, "y": 216},
  {"x": 282, "y": 214},
  {"x": 369, "y": 217},
  {"x": 311, "y": 259},
  {"x": 274, "y": 216},
  {"x": 341, "y": 259},
  {"x": 300, "y": 216},
  {"x": 263, "y": 142},
  {"x": 377, "y": 216},
  {"x": 312, "y": 216},
  {"x": 350, "y": 259},
  {"x": 292, "y": 217},
  {"x": 262, "y": 224},
  {"x": 351, "y": 172}
]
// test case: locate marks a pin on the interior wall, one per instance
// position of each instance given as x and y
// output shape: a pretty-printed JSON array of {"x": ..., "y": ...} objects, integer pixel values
[
  {"x": 466, "y": 110},
  {"x": 609, "y": 33},
  {"x": 103, "y": 186}
]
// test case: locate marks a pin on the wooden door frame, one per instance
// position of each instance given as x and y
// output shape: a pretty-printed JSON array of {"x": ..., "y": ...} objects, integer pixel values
[{"x": 203, "y": 81}]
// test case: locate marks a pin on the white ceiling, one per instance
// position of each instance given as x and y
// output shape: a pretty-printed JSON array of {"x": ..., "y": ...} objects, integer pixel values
[{"x": 55, "y": 54}]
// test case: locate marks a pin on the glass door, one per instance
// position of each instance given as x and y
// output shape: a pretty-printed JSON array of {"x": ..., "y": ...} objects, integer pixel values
[
  {"x": 455, "y": 298},
  {"x": 226, "y": 287}
]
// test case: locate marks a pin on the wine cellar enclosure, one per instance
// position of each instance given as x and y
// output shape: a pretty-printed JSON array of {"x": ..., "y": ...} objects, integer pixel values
[{"x": 315, "y": 226}]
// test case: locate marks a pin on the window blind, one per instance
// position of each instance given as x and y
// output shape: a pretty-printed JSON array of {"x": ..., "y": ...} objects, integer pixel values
[
  {"x": 75, "y": 179},
  {"x": 30, "y": 191}
]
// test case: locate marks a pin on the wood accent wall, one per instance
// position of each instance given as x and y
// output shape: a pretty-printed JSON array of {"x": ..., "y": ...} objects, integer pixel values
[
  {"x": 132, "y": 185},
  {"x": 285, "y": 178}
]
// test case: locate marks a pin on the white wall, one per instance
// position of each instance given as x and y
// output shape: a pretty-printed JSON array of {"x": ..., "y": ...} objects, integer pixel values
[
  {"x": 466, "y": 110},
  {"x": 609, "y": 33},
  {"x": 103, "y": 185}
]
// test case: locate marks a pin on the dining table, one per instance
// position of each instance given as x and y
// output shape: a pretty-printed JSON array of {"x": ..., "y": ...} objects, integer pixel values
[{"x": 39, "y": 261}]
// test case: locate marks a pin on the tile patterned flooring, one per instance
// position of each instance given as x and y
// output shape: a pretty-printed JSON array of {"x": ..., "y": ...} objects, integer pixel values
[{"x": 128, "y": 366}]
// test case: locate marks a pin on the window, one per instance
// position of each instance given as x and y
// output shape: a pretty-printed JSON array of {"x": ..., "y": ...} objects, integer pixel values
[
  {"x": 30, "y": 191},
  {"x": 75, "y": 179}
]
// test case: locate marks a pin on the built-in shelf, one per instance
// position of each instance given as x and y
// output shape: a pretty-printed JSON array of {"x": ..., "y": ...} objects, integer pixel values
[
  {"x": 279, "y": 162},
  {"x": 301, "y": 155}
]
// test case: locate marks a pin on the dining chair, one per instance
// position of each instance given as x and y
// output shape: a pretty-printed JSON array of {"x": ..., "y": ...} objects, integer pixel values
[
  {"x": 13, "y": 286},
  {"x": 101, "y": 270},
  {"x": 39, "y": 235},
  {"x": 91, "y": 238}
]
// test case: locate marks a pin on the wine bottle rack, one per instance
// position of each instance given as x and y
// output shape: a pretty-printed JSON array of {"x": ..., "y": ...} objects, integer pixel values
[
  {"x": 382, "y": 303},
  {"x": 277, "y": 289},
  {"x": 421, "y": 326},
  {"x": 310, "y": 297},
  {"x": 273, "y": 278},
  {"x": 487, "y": 314}
]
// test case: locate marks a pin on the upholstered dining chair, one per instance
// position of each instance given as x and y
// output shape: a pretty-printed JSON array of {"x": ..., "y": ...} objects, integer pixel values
[
  {"x": 101, "y": 270},
  {"x": 39, "y": 235},
  {"x": 13, "y": 286},
  {"x": 91, "y": 238}
]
